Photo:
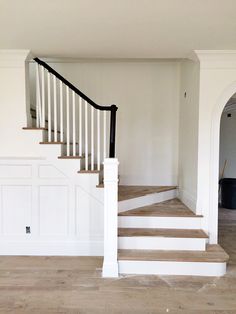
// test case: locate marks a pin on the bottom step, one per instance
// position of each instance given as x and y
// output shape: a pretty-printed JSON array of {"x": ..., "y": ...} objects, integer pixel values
[{"x": 211, "y": 262}]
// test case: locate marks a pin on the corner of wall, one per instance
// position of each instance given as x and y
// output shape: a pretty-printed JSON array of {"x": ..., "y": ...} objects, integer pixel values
[{"x": 188, "y": 131}]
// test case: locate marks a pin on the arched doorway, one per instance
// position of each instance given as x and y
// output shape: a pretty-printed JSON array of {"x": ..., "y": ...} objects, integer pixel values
[
  {"x": 227, "y": 169},
  {"x": 214, "y": 160}
]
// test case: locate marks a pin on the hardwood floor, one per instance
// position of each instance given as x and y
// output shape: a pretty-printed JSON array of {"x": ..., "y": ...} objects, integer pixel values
[
  {"x": 72, "y": 285},
  {"x": 171, "y": 208}
]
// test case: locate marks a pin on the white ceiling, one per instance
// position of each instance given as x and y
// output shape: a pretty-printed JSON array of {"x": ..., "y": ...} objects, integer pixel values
[{"x": 117, "y": 28}]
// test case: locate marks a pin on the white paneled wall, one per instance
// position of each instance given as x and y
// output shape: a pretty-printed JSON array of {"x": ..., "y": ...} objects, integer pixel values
[{"x": 63, "y": 209}]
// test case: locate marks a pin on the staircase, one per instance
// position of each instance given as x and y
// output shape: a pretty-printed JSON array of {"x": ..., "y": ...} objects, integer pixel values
[
  {"x": 157, "y": 234},
  {"x": 163, "y": 237},
  {"x": 69, "y": 118}
]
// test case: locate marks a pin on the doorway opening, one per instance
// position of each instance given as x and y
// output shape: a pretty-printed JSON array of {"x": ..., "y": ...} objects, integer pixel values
[{"x": 227, "y": 178}]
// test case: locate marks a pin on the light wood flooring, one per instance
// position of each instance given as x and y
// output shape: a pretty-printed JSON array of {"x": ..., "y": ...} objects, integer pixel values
[
  {"x": 171, "y": 208},
  {"x": 72, "y": 285},
  {"x": 166, "y": 233},
  {"x": 126, "y": 192}
]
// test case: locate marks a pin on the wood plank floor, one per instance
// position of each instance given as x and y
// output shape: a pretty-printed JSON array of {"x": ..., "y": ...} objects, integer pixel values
[
  {"x": 126, "y": 192},
  {"x": 172, "y": 208},
  {"x": 48, "y": 285}
]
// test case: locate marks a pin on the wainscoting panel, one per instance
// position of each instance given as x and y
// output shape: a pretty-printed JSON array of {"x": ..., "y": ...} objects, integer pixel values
[
  {"x": 16, "y": 209},
  {"x": 47, "y": 208},
  {"x": 53, "y": 210},
  {"x": 15, "y": 171},
  {"x": 89, "y": 216}
]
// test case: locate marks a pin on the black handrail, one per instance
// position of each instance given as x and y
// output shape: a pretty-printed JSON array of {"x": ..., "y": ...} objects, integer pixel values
[{"x": 112, "y": 108}]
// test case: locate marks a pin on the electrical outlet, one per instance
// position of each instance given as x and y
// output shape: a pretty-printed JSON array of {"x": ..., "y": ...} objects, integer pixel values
[{"x": 27, "y": 229}]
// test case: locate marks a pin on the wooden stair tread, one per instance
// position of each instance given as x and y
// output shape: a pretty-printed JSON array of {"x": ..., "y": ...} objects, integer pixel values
[
  {"x": 33, "y": 128},
  {"x": 50, "y": 143},
  {"x": 166, "y": 233},
  {"x": 126, "y": 192},
  {"x": 89, "y": 171},
  {"x": 42, "y": 129},
  {"x": 214, "y": 254},
  {"x": 71, "y": 157},
  {"x": 100, "y": 186},
  {"x": 171, "y": 208}
]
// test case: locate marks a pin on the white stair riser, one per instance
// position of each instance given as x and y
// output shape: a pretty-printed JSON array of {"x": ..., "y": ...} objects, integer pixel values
[
  {"x": 171, "y": 268},
  {"x": 161, "y": 243},
  {"x": 146, "y": 200},
  {"x": 159, "y": 222},
  {"x": 52, "y": 151}
]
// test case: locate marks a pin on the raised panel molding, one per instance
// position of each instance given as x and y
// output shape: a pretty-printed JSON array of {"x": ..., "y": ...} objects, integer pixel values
[
  {"x": 15, "y": 171},
  {"x": 53, "y": 210},
  {"x": 89, "y": 216},
  {"x": 16, "y": 209},
  {"x": 49, "y": 171},
  {"x": 63, "y": 209}
]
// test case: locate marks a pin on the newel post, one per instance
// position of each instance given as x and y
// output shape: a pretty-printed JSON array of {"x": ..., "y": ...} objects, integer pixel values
[{"x": 110, "y": 263}]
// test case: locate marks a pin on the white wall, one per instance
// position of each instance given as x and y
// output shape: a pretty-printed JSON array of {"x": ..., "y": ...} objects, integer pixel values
[
  {"x": 147, "y": 95},
  {"x": 217, "y": 85},
  {"x": 228, "y": 144},
  {"x": 64, "y": 209},
  {"x": 188, "y": 132}
]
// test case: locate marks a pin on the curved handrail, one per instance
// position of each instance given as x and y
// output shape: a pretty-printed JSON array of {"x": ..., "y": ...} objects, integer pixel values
[
  {"x": 75, "y": 89},
  {"x": 112, "y": 108}
]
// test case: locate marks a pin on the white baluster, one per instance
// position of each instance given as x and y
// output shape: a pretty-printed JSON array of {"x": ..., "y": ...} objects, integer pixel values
[
  {"x": 67, "y": 122},
  {"x": 104, "y": 134},
  {"x": 80, "y": 126},
  {"x": 86, "y": 135},
  {"x": 73, "y": 123},
  {"x": 43, "y": 96},
  {"x": 55, "y": 107},
  {"x": 92, "y": 137},
  {"x": 49, "y": 109},
  {"x": 38, "y": 99},
  {"x": 98, "y": 139},
  {"x": 61, "y": 111}
]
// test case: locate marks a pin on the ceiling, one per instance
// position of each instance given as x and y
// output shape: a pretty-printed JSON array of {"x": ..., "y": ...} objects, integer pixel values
[{"x": 117, "y": 28}]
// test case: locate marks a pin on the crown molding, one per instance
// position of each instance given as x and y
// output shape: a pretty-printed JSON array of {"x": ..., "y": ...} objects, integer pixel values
[
  {"x": 106, "y": 60},
  {"x": 14, "y": 58},
  {"x": 216, "y": 59}
]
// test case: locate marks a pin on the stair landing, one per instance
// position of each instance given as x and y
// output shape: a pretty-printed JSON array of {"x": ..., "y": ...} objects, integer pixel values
[
  {"x": 171, "y": 208},
  {"x": 126, "y": 192},
  {"x": 163, "y": 237}
]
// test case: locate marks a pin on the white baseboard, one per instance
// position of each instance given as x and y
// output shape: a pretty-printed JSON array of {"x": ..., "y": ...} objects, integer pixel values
[
  {"x": 188, "y": 199},
  {"x": 64, "y": 248}
]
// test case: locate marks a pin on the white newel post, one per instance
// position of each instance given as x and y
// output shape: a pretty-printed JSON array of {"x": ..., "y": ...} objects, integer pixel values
[{"x": 110, "y": 264}]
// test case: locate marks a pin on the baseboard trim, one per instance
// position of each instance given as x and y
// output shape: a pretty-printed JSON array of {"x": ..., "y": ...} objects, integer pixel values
[{"x": 188, "y": 199}]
